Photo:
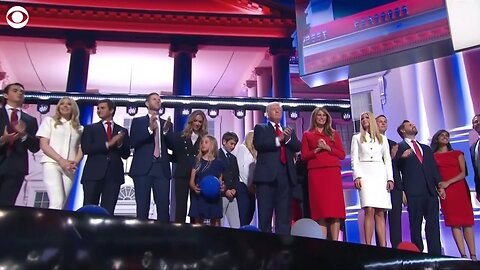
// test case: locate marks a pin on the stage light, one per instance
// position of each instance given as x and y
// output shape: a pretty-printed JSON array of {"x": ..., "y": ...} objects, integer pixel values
[
  {"x": 239, "y": 113},
  {"x": 213, "y": 113},
  {"x": 293, "y": 115},
  {"x": 186, "y": 111},
  {"x": 132, "y": 110},
  {"x": 161, "y": 111},
  {"x": 43, "y": 108},
  {"x": 346, "y": 116}
]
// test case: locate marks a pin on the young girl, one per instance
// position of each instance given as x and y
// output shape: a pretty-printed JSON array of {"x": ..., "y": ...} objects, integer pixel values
[{"x": 206, "y": 164}]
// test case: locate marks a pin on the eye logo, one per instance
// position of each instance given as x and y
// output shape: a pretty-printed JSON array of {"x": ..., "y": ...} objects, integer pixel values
[{"x": 17, "y": 17}]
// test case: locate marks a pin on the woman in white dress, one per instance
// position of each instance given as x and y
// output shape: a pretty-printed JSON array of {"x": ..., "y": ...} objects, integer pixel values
[
  {"x": 60, "y": 142},
  {"x": 246, "y": 159},
  {"x": 372, "y": 173}
]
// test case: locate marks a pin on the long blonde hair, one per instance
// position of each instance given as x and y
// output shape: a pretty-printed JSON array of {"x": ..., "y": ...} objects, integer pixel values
[
  {"x": 327, "y": 128},
  {"x": 187, "y": 131},
  {"x": 373, "y": 130},
  {"x": 248, "y": 142},
  {"x": 74, "y": 119},
  {"x": 213, "y": 150}
]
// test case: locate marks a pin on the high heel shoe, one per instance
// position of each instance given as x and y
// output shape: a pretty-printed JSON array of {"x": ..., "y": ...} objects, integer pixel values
[
  {"x": 473, "y": 257},
  {"x": 463, "y": 256}
]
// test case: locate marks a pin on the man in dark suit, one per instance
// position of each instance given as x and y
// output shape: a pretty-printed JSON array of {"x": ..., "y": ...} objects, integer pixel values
[
  {"x": 105, "y": 143},
  {"x": 275, "y": 173},
  {"x": 475, "y": 155},
  {"x": 396, "y": 194},
  {"x": 150, "y": 137},
  {"x": 18, "y": 135},
  {"x": 420, "y": 179},
  {"x": 231, "y": 179}
]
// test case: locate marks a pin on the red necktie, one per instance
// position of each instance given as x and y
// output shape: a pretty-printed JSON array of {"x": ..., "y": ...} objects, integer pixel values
[
  {"x": 283, "y": 153},
  {"x": 417, "y": 151},
  {"x": 13, "y": 123},
  {"x": 109, "y": 130}
]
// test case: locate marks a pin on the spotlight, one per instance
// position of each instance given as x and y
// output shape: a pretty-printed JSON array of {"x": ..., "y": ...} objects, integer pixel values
[
  {"x": 346, "y": 116},
  {"x": 186, "y": 111},
  {"x": 293, "y": 115},
  {"x": 239, "y": 113},
  {"x": 213, "y": 113},
  {"x": 43, "y": 108},
  {"x": 132, "y": 110}
]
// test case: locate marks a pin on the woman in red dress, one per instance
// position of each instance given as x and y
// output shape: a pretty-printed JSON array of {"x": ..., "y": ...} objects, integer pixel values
[
  {"x": 456, "y": 206},
  {"x": 322, "y": 149}
]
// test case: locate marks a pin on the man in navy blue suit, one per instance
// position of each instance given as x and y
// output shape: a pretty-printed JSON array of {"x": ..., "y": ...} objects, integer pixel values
[
  {"x": 275, "y": 173},
  {"x": 420, "y": 178},
  {"x": 105, "y": 143},
  {"x": 17, "y": 130},
  {"x": 475, "y": 155},
  {"x": 150, "y": 137}
]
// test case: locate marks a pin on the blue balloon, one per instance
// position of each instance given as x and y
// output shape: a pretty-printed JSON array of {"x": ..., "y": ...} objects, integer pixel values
[
  {"x": 210, "y": 188},
  {"x": 94, "y": 210},
  {"x": 307, "y": 228}
]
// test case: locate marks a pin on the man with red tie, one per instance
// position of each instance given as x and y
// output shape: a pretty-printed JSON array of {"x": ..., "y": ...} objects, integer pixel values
[
  {"x": 18, "y": 131},
  {"x": 105, "y": 143},
  {"x": 275, "y": 173},
  {"x": 420, "y": 178}
]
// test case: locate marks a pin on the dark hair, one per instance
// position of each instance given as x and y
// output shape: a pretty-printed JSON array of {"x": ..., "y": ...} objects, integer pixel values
[
  {"x": 151, "y": 94},
  {"x": 381, "y": 115},
  {"x": 229, "y": 135},
  {"x": 7, "y": 87},
  {"x": 110, "y": 104},
  {"x": 401, "y": 127},
  {"x": 434, "y": 143}
]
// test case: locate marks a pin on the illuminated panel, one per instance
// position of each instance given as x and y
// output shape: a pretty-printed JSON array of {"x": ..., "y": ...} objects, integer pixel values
[{"x": 379, "y": 31}]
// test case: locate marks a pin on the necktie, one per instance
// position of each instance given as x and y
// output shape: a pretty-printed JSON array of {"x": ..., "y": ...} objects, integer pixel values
[
  {"x": 229, "y": 158},
  {"x": 13, "y": 119},
  {"x": 156, "y": 149},
  {"x": 13, "y": 123},
  {"x": 283, "y": 153},
  {"x": 417, "y": 151},
  {"x": 109, "y": 130}
]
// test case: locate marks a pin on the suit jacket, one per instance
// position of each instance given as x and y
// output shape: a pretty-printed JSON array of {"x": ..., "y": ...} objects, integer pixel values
[
  {"x": 100, "y": 158},
  {"x": 475, "y": 166},
  {"x": 184, "y": 152},
  {"x": 15, "y": 161},
  {"x": 268, "y": 154},
  {"x": 143, "y": 143},
  {"x": 396, "y": 172},
  {"x": 416, "y": 175},
  {"x": 231, "y": 174}
]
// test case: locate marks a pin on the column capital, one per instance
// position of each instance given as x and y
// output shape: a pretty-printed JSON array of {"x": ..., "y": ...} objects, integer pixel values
[
  {"x": 259, "y": 71},
  {"x": 280, "y": 50},
  {"x": 89, "y": 45},
  {"x": 176, "y": 48},
  {"x": 251, "y": 83}
]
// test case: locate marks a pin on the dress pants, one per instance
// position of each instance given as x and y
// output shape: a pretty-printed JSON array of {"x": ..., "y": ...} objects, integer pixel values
[
  {"x": 230, "y": 212},
  {"x": 106, "y": 188},
  {"x": 154, "y": 180},
  {"x": 58, "y": 184}
]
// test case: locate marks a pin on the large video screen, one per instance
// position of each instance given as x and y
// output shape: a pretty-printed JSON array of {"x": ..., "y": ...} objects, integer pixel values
[{"x": 336, "y": 33}]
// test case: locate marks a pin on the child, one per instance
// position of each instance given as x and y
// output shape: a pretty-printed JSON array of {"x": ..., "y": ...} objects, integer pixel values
[
  {"x": 206, "y": 163},
  {"x": 231, "y": 178}
]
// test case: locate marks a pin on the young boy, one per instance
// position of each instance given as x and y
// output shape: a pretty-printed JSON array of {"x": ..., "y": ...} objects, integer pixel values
[{"x": 231, "y": 178}]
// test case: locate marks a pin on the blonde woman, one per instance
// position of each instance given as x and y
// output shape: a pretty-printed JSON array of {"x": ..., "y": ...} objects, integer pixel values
[
  {"x": 373, "y": 176},
  {"x": 60, "y": 142},
  {"x": 246, "y": 159}
]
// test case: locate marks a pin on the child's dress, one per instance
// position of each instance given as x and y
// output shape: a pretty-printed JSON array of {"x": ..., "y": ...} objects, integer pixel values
[{"x": 199, "y": 207}]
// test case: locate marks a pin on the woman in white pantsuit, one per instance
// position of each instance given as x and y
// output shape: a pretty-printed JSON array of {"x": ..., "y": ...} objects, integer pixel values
[
  {"x": 60, "y": 142},
  {"x": 372, "y": 173}
]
